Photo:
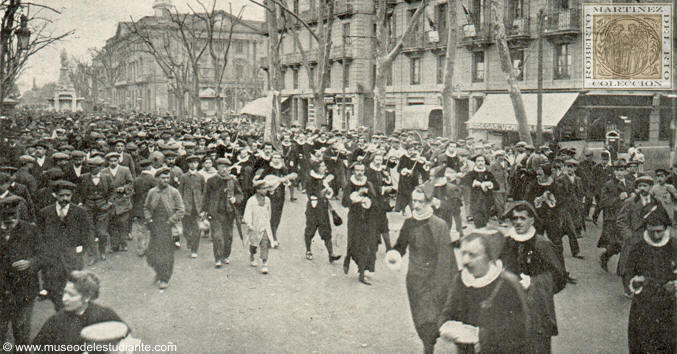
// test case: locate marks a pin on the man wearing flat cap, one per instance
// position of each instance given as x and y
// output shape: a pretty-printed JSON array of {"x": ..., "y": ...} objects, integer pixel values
[
  {"x": 25, "y": 173},
  {"x": 122, "y": 185},
  {"x": 665, "y": 193},
  {"x": 612, "y": 197},
  {"x": 94, "y": 192},
  {"x": 20, "y": 248},
  {"x": 65, "y": 231},
  {"x": 76, "y": 168},
  {"x": 125, "y": 159}
]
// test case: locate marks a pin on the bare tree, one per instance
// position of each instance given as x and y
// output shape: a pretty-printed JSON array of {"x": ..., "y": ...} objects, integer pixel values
[
  {"x": 107, "y": 67},
  {"x": 450, "y": 122},
  {"x": 386, "y": 52},
  {"x": 16, "y": 19},
  {"x": 497, "y": 7},
  {"x": 215, "y": 23},
  {"x": 172, "y": 62},
  {"x": 84, "y": 77}
]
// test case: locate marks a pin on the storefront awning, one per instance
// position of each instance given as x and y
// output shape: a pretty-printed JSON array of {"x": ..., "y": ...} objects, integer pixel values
[
  {"x": 496, "y": 113},
  {"x": 416, "y": 116}
]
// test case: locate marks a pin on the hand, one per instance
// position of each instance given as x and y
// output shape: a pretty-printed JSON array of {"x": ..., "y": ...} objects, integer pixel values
[
  {"x": 120, "y": 189},
  {"x": 232, "y": 200},
  {"x": 448, "y": 331},
  {"x": 78, "y": 249},
  {"x": 203, "y": 214},
  {"x": 525, "y": 281},
  {"x": 22, "y": 265},
  {"x": 623, "y": 195}
]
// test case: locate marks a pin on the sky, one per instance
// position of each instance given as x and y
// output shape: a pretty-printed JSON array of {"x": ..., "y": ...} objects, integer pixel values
[{"x": 94, "y": 21}]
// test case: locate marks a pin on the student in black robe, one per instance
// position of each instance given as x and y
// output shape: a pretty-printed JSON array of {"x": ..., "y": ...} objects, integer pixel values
[
  {"x": 79, "y": 311},
  {"x": 651, "y": 275},
  {"x": 431, "y": 260},
  {"x": 486, "y": 310},
  {"x": 483, "y": 184}
]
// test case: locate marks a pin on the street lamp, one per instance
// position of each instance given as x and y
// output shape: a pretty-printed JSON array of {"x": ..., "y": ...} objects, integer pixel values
[{"x": 23, "y": 34}]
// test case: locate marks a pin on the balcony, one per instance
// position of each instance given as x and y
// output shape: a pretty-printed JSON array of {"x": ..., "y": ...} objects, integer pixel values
[
  {"x": 562, "y": 25},
  {"x": 518, "y": 31},
  {"x": 343, "y": 8},
  {"x": 421, "y": 41},
  {"x": 473, "y": 36},
  {"x": 340, "y": 52}
]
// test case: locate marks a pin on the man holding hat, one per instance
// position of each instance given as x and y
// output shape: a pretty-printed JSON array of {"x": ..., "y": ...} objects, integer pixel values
[
  {"x": 19, "y": 264},
  {"x": 65, "y": 231},
  {"x": 222, "y": 194}
]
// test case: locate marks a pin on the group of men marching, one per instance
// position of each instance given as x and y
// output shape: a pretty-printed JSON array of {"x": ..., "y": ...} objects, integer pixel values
[{"x": 74, "y": 190}]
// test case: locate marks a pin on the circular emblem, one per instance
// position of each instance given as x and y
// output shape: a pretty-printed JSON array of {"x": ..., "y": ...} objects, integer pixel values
[{"x": 628, "y": 47}]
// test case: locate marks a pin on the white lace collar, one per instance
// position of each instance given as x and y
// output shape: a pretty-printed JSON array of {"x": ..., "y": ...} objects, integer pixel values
[
  {"x": 357, "y": 182},
  {"x": 477, "y": 169},
  {"x": 278, "y": 166},
  {"x": 469, "y": 280},
  {"x": 377, "y": 169},
  {"x": 452, "y": 155},
  {"x": 547, "y": 183},
  {"x": 512, "y": 233},
  {"x": 662, "y": 242}
]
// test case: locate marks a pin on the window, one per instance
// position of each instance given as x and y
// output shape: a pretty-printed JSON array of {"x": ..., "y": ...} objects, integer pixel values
[
  {"x": 440, "y": 69},
  {"x": 442, "y": 18},
  {"x": 373, "y": 76},
  {"x": 478, "y": 67},
  {"x": 516, "y": 8},
  {"x": 478, "y": 13},
  {"x": 389, "y": 75},
  {"x": 284, "y": 80},
  {"x": 296, "y": 7},
  {"x": 346, "y": 74},
  {"x": 517, "y": 56},
  {"x": 417, "y": 28},
  {"x": 415, "y": 72},
  {"x": 311, "y": 76},
  {"x": 392, "y": 25},
  {"x": 312, "y": 6},
  {"x": 562, "y": 61},
  {"x": 254, "y": 52},
  {"x": 295, "y": 74},
  {"x": 239, "y": 46},
  {"x": 327, "y": 78},
  {"x": 346, "y": 33}
]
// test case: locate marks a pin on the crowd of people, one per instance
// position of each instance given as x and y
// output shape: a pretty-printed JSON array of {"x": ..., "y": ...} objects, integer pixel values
[{"x": 484, "y": 228}]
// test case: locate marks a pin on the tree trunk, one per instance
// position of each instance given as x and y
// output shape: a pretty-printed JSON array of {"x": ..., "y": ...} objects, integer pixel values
[
  {"x": 272, "y": 123},
  {"x": 219, "y": 103},
  {"x": 197, "y": 104},
  {"x": 508, "y": 70},
  {"x": 380, "y": 95},
  {"x": 451, "y": 123}
]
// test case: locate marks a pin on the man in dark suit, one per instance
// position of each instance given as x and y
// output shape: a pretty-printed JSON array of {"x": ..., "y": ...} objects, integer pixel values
[
  {"x": 76, "y": 168},
  {"x": 612, "y": 197},
  {"x": 125, "y": 159},
  {"x": 123, "y": 189},
  {"x": 19, "y": 261},
  {"x": 142, "y": 184},
  {"x": 191, "y": 187},
  {"x": 94, "y": 193},
  {"x": 65, "y": 231}
]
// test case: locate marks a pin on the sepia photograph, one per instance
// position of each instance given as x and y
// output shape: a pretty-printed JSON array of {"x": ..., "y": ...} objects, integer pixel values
[{"x": 338, "y": 176}]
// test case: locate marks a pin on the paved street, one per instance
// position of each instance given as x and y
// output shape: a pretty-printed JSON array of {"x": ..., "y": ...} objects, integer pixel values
[{"x": 311, "y": 306}]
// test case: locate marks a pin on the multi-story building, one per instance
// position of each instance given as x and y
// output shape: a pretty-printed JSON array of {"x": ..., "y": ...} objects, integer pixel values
[
  {"x": 348, "y": 99},
  {"x": 134, "y": 80},
  {"x": 481, "y": 102}
]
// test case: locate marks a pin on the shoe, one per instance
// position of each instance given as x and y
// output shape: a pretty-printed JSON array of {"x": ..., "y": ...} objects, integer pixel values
[
  {"x": 226, "y": 260},
  {"x": 217, "y": 265},
  {"x": 129, "y": 237},
  {"x": 163, "y": 284},
  {"x": 604, "y": 262},
  {"x": 571, "y": 280},
  {"x": 333, "y": 258},
  {"x": 363, "y": 281},
  {"x": 345, "y": 268},
  {"x": 275, "y": 244},
  {"x": 292, "y": 199},
  {"x": 43, "y": 293},
  {"x": 578, "y": 256},
  {"x": 193, "y": 255},
  {"x": 254, "y": 263},
  {"x": 264, "y": 269},
  {"x": 309, "y": 255}
]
